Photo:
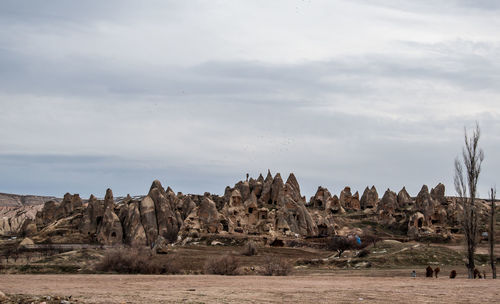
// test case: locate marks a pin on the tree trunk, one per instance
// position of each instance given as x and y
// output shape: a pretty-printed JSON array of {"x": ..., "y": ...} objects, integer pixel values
[
  {"x": 491, "y": 237},
  {"x": 470, "y": 266}
]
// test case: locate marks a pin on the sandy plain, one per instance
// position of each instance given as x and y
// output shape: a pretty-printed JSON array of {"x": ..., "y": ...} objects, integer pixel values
[{"x": 342, "y": 287}]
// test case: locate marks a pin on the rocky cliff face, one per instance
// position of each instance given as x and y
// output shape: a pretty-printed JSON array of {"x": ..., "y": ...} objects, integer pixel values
[
  {"x": 12, "y": 219},
  {"x": 267, "y": 207},
  {"x": 15, "y": 210},
  {"x": 254, "y": 207}
]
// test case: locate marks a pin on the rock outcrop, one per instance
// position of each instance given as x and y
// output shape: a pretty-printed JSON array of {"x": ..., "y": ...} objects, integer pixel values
[
  {"x": 165, "y": 203},
  {"x": 437, "y": 194},
  {"x": 369, "y": 199},
  {"x": 133, "y": 230},
  {"x": 387, "y": 207},
  {"x": 320, "y": 199},
  {"x": 349, "y": 201},
  {"x": 15, "y": 220},
  {"x": 404, "y": 199},
  {"x": 266, "y": 207},
  {"x": 92, "y": 217},
  {"x": 415, "y": 224},
  {"x": 53, "y": 210},
  {"x": 16, "y": 200},
  {"x": 110, "y": 230},
  {"x": 425, "y": 204}
]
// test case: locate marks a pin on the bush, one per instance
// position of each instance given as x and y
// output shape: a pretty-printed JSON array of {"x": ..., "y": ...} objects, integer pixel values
[
  {"x": 294, "y": 243},
  {"x": 370, "y": 238},
  {"x": 340, "y": 244},
  {"x": 171, "y": 235},
  {"x": 250, "y": 249},
  {"x": 134, "y": 260},
  {"x": 224, "y": 265},
  {"x": 275, "y": 266},
  {"x": 363, "y": 253}
]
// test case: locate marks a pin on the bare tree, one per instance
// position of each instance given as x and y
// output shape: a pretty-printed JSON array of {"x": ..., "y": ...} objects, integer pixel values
[
  {"x": 466, "y": 187},
  {"x": 491, "y": 234},
  {"x": 371, "y": 238},
  {"x": 340, "y": 244}
]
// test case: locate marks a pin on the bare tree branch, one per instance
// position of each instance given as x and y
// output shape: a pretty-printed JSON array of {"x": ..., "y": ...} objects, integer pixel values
[{"x": 466, "y": 187}]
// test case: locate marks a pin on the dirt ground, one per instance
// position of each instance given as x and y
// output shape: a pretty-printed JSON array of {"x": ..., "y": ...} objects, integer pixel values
[{"x": 375, "y": 286}]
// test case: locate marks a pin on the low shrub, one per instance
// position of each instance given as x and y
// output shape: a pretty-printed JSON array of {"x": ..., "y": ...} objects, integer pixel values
[
  {"x": 363, "y": 253},
  {"x": 370, "y": 238},
  {"x": 340, "y": 244},
  {"x": 134, "y": 260},
  {"x": 250, "y": 249},
  {"x": 223, "y": 265},
  {"x": 294, "y": 243},
  {"x": 275, "y": 266}
]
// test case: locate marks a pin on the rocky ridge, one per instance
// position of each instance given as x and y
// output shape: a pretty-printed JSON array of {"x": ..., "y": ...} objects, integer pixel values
[{"x": 264, "y": 207}]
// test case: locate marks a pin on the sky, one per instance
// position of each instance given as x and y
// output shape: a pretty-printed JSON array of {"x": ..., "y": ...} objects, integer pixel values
[{"x": 98, "y": 94}]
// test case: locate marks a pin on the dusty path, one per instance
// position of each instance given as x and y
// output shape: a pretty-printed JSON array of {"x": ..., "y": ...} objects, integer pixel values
[{"x": 331, "y": 288}]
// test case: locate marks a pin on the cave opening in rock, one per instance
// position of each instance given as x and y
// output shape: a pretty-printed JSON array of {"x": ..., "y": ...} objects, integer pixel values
[{"x": 225, "y": 226}]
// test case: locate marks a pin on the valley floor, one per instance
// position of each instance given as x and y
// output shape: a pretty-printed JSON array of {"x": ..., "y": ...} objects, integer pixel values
[{"x": 343, "y": 286}]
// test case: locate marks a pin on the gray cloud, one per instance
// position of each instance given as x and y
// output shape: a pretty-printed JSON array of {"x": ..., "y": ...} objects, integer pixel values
[
  {"x": 349, "y": 75},
  {"x": 115, "y": 94},
  {"x": 444, "y": 6}
]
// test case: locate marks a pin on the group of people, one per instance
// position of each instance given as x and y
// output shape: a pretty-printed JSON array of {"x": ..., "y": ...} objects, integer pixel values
[{"x": 429, "y": 273}]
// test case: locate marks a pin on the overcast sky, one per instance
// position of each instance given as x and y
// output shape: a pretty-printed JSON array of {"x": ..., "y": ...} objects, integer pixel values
[{"x": 97, "y": 94}]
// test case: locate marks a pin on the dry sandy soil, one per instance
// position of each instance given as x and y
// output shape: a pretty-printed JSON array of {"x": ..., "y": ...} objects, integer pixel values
[{"x": 338, "y": 287}]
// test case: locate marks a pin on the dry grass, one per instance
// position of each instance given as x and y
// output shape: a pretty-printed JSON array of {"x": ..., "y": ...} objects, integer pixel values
[
  {"x": 136, "y": 260},
  {"x": 276, "y": 266},
  {"x": 250, "y": 249},
  {"x": 224, "y": 265}
]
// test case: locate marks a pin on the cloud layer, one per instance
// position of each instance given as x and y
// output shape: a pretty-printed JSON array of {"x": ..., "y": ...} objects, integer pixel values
[{"x": 197, "y": 94}]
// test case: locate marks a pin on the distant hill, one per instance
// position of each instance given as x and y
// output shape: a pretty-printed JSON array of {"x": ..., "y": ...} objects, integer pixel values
[{"x": 16, "y": 200}]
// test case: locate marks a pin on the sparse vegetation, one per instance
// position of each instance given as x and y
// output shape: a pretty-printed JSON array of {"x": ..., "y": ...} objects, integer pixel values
[
  {"x": 340, "y": 244},
  {"x": 276, "y": 266},
  {"x": 363, "y": 253},
  {"x": 223, "y": 265},
  {"x": 371, "y": 238},
  {"x": 135, "y": 260},
  {"x": 250, "y": 248}
]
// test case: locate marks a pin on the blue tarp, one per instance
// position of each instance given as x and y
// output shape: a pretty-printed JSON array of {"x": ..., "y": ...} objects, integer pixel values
[{"x": 358, "y": 240}]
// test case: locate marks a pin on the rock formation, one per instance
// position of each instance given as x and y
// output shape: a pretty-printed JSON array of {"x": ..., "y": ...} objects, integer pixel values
[
  {"x": 16, "y": 201},
  {"x": 369, "y": 199},
  {"x": 265, "y": 207},
  {"x": 404, "y": 199},
  {"x": 110, "y": 231},
  {"x": 320, "y": 199},
  {"x": 425, "y": 204},
  {"x": 349, "y": 201},
  {"x": 133, "y": 230},
  {"x": 14, "y": 220},
  {"x": 333, "y": 206},
  {"x": 437, "y": 194},
  {"x": 92, "y": 217},
  {"x": 415, "y": 224},
  {"x": 387, "y": 207}
]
